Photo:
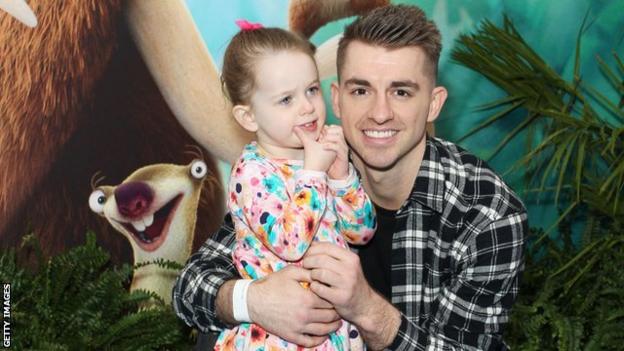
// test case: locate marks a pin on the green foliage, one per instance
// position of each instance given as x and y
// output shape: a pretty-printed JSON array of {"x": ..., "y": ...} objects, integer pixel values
[
  {"x": 78, "y": 301},
  {"x": 579, "y": 146},
  {"x": 572, "y": 294},
  {"x": 571, "y": 299}
]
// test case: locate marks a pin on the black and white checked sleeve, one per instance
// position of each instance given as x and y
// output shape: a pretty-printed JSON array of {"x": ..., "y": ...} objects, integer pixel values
[
  {"x": 195, "y": 289},
  {"x": 471, "y": 311}
]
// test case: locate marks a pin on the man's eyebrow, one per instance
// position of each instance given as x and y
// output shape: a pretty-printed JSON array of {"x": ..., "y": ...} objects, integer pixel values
[
  {"x": 394, "y": 84},
  {"x": 405, "y": 83},
  {"x": 357, "y": 81}
]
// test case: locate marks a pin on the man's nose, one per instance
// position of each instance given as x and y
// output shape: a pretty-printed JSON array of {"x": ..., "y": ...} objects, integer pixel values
[{"x": 382, "y": 111}]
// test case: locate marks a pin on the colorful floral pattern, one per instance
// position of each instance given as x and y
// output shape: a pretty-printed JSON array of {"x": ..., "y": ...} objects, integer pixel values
[{"x": 278, "y": 210}]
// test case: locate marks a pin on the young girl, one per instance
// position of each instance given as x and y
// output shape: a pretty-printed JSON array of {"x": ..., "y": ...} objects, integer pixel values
[{"x": 294, "y": 184}]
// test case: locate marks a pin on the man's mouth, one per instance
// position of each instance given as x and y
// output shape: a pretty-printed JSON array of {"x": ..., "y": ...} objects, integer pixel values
[
  {"x": 151, "y": 231},
  {"x": 380, "y": 134}
]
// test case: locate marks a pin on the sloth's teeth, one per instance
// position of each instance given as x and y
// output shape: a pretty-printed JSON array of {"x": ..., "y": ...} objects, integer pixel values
[
  {"x": 139, "y": 226},
  {"x": 148, "y": 220}
]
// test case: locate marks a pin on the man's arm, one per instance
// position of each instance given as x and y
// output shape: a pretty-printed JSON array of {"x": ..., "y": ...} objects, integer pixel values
[
  {"x": 202, "y": 296},
  {"x": 206, "y": 271},
  {"x": 338, "y": 278},
  {"x": 469, "y": 313},
  {"x": 284, "y": 306}
]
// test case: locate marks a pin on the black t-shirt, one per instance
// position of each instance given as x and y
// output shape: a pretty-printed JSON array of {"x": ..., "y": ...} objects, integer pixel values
[{"x": 376, "y": 255}]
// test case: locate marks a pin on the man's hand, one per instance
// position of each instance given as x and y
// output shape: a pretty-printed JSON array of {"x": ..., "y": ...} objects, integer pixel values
[
  {"x": 315, "y": 156},
  {"x": 333, "y": 139},
  {"x": 337, "y": 277},
  {"x": 282, "y": 306}
]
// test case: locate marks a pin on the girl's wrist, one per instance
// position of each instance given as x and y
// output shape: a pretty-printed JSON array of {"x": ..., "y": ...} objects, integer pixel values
[{"x": 338, "y": 175}]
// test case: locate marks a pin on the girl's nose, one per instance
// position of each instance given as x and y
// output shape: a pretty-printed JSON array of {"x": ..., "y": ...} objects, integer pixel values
[{"x": 306, "y": 106}]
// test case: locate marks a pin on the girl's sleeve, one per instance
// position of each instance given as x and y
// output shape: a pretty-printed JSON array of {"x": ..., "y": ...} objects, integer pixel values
[
  {"x": 285, "y": 223},
  {"x": 354, "y": 209}
]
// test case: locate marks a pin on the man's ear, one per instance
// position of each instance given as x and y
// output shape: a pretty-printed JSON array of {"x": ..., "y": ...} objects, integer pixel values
[
  {"x": 438, "y": 97},
  {"x": 335, "y": 97},
  {"x": 244, "y": 117}
]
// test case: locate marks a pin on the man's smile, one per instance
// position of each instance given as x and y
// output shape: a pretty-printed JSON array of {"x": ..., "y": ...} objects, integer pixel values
[{"x": 380, "y": 134}]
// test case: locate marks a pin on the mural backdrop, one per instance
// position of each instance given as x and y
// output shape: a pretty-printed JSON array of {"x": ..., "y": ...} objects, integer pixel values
[
  {"x": 113, "y": 86},
  {"x": 550, "y": 27}
]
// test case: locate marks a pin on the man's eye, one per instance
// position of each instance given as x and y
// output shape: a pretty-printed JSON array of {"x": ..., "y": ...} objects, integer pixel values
[
  {"x": 358, "y": 91},
  {"x": 285, "y": 100},
  {"x": 403, "y": 93}
]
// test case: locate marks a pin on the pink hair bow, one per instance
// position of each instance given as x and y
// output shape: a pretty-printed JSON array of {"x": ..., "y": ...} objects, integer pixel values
[{"x": 245, "y": 25}]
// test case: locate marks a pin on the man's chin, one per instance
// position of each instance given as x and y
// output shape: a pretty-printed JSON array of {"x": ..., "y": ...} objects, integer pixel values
[
  {"x": 376, "y": 160},
  {"x": 380, "y": 166}
]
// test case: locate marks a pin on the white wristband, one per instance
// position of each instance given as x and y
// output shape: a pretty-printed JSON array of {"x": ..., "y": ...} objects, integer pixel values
[{"x": 239, "y": 300}]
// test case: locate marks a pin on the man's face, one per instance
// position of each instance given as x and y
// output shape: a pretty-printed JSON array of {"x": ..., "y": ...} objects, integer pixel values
[{"x": 384, "y": 100}]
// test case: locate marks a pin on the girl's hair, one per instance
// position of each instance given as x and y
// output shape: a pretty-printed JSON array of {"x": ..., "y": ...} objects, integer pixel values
[{"x": 241, "y": 55}]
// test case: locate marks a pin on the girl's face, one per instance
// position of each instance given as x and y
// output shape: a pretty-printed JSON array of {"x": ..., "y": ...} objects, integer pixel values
[{"x": 287, "y": 95}]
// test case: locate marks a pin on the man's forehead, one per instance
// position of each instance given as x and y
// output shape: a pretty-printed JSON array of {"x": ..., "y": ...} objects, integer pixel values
[{"x": 367, "y": 60}]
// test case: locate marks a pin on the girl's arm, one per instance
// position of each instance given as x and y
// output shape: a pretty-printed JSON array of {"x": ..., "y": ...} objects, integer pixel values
[
  {"x": 355, "y": 211},
  {"x": 286, "y": 223}
]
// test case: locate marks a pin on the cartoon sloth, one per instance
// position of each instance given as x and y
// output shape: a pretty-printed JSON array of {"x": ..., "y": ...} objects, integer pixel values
[
  {"x": 155, "y": 209},
  {"x": 112, "y": 86}
]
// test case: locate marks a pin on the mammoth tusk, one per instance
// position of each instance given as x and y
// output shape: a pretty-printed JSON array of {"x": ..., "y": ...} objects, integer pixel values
[
  {"x": 185, "y": 73},
  {"x": 20, "y": 10},
  {"x": 326, "y": 57}
]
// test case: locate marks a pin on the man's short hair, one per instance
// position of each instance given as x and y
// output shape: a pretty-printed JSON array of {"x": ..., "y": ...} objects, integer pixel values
[{"x": 393, "y": 27}]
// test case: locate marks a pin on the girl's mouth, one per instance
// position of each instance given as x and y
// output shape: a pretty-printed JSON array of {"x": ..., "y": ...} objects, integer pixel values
[{"x": 309, "y": 127}]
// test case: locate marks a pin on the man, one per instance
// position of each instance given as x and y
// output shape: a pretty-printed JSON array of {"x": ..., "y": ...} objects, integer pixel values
[{"x": 443, "y": 268}]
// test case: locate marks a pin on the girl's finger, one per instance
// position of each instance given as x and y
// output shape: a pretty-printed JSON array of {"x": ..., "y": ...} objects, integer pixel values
[{"x": 338, "y": 149}]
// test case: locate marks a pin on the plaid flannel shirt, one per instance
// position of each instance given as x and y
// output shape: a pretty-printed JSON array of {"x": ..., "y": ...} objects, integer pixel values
[{"x": 457, "y": 257}]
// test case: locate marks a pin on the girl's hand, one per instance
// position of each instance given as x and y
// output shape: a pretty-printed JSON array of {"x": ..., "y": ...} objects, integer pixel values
[
  {"x": 333, "y": 139},
  {"x": 315, "y": 156}
]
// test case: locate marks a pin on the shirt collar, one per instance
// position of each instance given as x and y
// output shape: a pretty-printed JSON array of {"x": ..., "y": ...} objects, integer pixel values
[
  {"x": 256, "y": 151},
  {"x": 429, "y": 187}
]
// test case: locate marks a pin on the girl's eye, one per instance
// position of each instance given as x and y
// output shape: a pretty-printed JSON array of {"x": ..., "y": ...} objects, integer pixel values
[
  {"x": 313, "y": 90},
  {"x": 286, "y": 100}
]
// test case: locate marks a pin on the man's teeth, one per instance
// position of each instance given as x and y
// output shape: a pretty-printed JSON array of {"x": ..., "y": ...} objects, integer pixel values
[
  {"x": 309, "y": 124},
  {"x": 380, "y": 133}
]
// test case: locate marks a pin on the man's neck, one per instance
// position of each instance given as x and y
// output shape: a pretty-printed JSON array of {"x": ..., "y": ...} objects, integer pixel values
[{"x": 390, "y": 188}]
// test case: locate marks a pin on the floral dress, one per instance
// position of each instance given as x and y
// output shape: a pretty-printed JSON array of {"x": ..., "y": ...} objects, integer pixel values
[{"x": 279, "y": 208}]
